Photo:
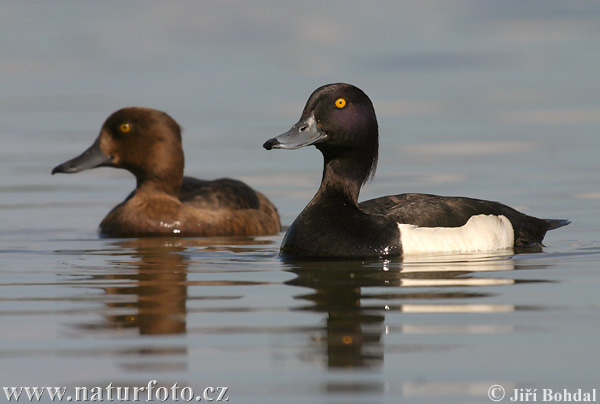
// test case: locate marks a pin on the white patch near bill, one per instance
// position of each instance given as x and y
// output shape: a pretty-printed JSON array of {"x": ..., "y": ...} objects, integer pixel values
[{"x": 480, "y": 233}]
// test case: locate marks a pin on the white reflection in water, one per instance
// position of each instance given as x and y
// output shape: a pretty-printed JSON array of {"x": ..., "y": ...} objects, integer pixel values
[
  {"x": 457, "y": 308},
  {"x": 457, "y": 329},
  {"x": 472, "y": 262},
  {"x": 449, "y": 389},
  {"x": 419, "y": 283}
]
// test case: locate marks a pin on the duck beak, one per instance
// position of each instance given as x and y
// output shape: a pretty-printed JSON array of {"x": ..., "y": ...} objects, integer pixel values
[
  {"x": 304, "y": 133},
  {"x": 91, "y": 158}
]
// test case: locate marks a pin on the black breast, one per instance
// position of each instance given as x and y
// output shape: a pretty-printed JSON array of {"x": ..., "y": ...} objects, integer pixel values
[{"x": 329, "y": 231}]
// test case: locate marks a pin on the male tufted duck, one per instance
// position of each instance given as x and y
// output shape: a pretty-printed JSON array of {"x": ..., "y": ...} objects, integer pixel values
[
  {"x": 339, "y": 120},
  {"x": 147, "y": 143}
]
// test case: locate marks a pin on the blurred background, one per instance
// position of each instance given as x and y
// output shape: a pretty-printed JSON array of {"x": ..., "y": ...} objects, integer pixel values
[{"x": 510, "y": 84}]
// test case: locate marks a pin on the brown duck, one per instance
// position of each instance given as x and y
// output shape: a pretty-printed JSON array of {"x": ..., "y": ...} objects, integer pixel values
[{"x": 147, "y": 143}]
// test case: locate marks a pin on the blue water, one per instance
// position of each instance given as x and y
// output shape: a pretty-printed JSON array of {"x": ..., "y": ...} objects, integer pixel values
[{"x": 495, "y": 100}]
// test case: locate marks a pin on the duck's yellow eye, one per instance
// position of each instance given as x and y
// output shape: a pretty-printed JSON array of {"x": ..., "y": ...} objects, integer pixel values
[
  {"x": 125, "y": 127},
  {"x": 340, "y": 103}
]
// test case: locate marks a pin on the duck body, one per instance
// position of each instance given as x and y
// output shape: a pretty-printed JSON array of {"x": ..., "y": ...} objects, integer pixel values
[
  {"x": 222, "y": 207},
  {"x": 339, "y": 120},
  {"x": 147, "y": 143},
  {"x": 425, "y": 210}
]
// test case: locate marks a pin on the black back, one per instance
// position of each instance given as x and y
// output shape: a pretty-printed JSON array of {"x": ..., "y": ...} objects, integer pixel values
[{"x": 446, "y": 211}]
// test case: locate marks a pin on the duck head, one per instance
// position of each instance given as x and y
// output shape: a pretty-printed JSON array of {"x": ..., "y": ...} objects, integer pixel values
[
  {"x": 144, "y": 141},
  {"x": 339, "y": 120}
]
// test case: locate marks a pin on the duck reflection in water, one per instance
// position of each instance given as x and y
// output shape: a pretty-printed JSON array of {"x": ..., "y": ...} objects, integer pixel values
[
  {"x": 150, "y": 278},
  {"x": 354, "y": 330},
  {"x": 157, "y": 285},
  {"x": 146, "y": 284}
]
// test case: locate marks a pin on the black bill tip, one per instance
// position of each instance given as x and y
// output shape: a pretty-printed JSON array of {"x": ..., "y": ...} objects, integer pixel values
[
  {"x": 91, "y": 158},
  {"x": 59, "y": 169},
  {"x": 271, "y": 143}
]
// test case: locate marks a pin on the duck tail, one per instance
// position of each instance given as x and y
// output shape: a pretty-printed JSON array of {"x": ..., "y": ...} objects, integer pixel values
[{"x": 557, "y": 223}]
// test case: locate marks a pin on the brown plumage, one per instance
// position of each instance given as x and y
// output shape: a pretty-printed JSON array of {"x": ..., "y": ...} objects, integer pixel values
[{"x": 147, "y": 143}]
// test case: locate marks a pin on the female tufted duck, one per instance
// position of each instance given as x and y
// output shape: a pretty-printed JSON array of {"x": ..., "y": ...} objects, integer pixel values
[
  {"x": 339, "y": 120},
  {"x": 147, "y": 143}
]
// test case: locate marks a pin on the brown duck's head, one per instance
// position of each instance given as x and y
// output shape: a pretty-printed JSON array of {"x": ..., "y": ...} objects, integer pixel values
[{"x": 144, "y": 141}]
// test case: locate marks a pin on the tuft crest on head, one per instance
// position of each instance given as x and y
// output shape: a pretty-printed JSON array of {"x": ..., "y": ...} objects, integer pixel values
[{"x": 348, "y": 112}]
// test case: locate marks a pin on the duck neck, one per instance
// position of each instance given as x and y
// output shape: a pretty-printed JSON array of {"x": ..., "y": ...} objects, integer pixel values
[
  {"x": 159, "y": 185},
  {"x": 163, "y": 178},
  {"x": 343, "y": 178}
]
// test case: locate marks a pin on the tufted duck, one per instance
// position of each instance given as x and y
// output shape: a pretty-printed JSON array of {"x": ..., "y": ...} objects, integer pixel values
[
  {"x": 147, "y": 143},
  {"x": 339, "y": 120}
]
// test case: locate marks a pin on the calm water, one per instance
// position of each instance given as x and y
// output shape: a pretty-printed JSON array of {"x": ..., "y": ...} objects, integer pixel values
[{"x": 492, "y": 100}]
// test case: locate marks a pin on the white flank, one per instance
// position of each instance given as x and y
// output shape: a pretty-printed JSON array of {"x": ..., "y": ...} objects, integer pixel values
[{"x": 480, "y": 233}]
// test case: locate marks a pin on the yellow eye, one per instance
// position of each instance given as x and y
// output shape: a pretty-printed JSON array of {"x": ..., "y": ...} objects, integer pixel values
[
  {"x": 340, "y": 103},
  {"x": 125, "y": 127}
]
